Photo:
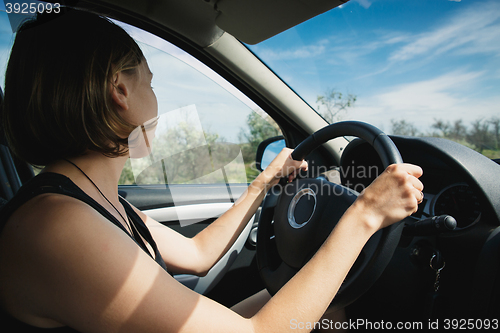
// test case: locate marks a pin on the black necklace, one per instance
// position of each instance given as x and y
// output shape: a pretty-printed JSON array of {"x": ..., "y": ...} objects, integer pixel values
[{"x": 127, "y": 223}]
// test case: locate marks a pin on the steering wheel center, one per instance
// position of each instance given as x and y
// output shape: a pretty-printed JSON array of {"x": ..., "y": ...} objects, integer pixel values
[{"x": 302, "y": 208}]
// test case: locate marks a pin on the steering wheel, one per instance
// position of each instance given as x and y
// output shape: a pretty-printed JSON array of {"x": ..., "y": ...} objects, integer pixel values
[{"x": 298, "y": 217}]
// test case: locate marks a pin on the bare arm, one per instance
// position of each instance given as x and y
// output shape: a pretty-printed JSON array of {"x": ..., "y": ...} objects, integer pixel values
[
  {"x": 199, "y": 254},
  {"x": 392, "y": 197}
]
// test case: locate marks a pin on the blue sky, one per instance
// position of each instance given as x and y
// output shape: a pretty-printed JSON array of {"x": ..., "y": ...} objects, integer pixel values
[
  {"x": 5, "y": 40},
  {"x": 414, "y": 60}
]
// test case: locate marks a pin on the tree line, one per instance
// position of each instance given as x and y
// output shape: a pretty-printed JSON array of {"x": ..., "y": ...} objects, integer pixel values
[{"x": 482, "y": 134}]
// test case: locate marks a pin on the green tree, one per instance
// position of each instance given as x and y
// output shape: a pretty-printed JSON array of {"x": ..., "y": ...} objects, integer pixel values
[
  {"x": 455, "y": 131},
  {"x": 442, "y": 127},
  {"x": 184, "y": 152},
  {"x": 480, "y": 136},
  {"x": 333, "y": 103},
  {"x": 258, "y": 129},
  {"x": 495, "y": 123},
  {"x": 127, "y": 176},
  {"x": 180, "y": 154},
  {"x": 402, "y": 127}
]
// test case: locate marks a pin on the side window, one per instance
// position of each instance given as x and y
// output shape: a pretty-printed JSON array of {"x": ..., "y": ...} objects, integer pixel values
[
  {"x": 6, "y": 41},
  {"x": 207, "y": 131}
]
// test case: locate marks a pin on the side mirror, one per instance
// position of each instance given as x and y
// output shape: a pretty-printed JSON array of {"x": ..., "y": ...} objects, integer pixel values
[{"x": 268, "y": 150}]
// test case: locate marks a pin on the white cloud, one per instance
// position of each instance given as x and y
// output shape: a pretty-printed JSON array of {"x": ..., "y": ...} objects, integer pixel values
[
  {"x": 442, "y": 92},
  {"x": 302, "y": 52},
  {"x": 458, "y": 34},
  {"x": 451, "y": 96},
  {"x": 364, "y": 3}
]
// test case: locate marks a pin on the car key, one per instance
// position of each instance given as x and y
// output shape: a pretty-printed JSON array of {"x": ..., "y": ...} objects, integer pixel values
[{"x": 436, "y": 263}]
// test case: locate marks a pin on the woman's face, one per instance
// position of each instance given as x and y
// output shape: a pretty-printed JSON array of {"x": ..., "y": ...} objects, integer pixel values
[
  {"x": 143, "y": 105},
  {"x": 142, "y": 111}
]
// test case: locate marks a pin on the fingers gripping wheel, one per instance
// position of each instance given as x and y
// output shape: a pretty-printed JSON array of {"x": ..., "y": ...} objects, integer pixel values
[{"x": 298, "y": 217}]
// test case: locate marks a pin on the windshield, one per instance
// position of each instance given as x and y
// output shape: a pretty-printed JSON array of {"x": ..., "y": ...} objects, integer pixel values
[{"x": 413, "y": 67}]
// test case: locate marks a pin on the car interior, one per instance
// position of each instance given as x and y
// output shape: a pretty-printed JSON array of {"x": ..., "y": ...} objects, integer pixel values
[{"x": 441, "y": 262}]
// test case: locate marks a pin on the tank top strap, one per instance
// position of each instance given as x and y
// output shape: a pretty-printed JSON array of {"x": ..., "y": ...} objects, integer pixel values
[{"x": 139, "y": 228}]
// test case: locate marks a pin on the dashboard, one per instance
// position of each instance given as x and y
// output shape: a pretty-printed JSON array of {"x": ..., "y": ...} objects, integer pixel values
[
  {"x": 459, "y": 200},
  {"x": 458, "y": 182}
]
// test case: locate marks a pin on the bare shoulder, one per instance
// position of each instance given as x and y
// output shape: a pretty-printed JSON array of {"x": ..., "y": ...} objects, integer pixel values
[
  {"x": 45, "y": 213},
  {"x": 53, "y": 223},
  {"x": 57, "y": 249},
  {"x": 64, "y": 264}
]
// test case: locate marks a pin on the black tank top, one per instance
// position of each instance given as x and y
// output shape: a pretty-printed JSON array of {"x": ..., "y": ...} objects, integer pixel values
[{"x": 57, "y": 183}]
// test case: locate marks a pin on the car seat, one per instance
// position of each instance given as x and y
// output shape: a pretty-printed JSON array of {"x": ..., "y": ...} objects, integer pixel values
[{"x": 13, "y": 172}]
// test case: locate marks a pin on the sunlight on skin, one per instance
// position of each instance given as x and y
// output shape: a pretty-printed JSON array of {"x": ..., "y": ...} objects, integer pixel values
[{"x": 135, "y": 282}]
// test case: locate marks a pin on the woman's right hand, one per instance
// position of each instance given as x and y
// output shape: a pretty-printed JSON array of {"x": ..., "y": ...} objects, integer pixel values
[
  {"x": 394, "y": 195},
  {"x": 284, "y": 165}
]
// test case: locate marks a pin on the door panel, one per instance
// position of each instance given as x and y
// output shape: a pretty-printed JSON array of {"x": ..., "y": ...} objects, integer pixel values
[
  {"x": 188, "y": 215},
  {"x": 146, "y": 197}
]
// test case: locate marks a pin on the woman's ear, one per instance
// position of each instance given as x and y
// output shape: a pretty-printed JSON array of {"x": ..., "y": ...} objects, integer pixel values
[{"x": 119, "y": 91}]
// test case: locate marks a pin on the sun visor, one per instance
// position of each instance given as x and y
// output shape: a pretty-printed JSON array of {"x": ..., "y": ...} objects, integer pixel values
[{"x": 252, "y": 21}]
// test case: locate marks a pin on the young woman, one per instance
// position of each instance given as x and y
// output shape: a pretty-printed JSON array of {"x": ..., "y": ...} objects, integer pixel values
[{"x": 73, "y": 254}]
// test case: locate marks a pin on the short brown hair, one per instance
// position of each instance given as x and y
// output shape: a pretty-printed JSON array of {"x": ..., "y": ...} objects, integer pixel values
[{"x": 57, "y": 87}]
